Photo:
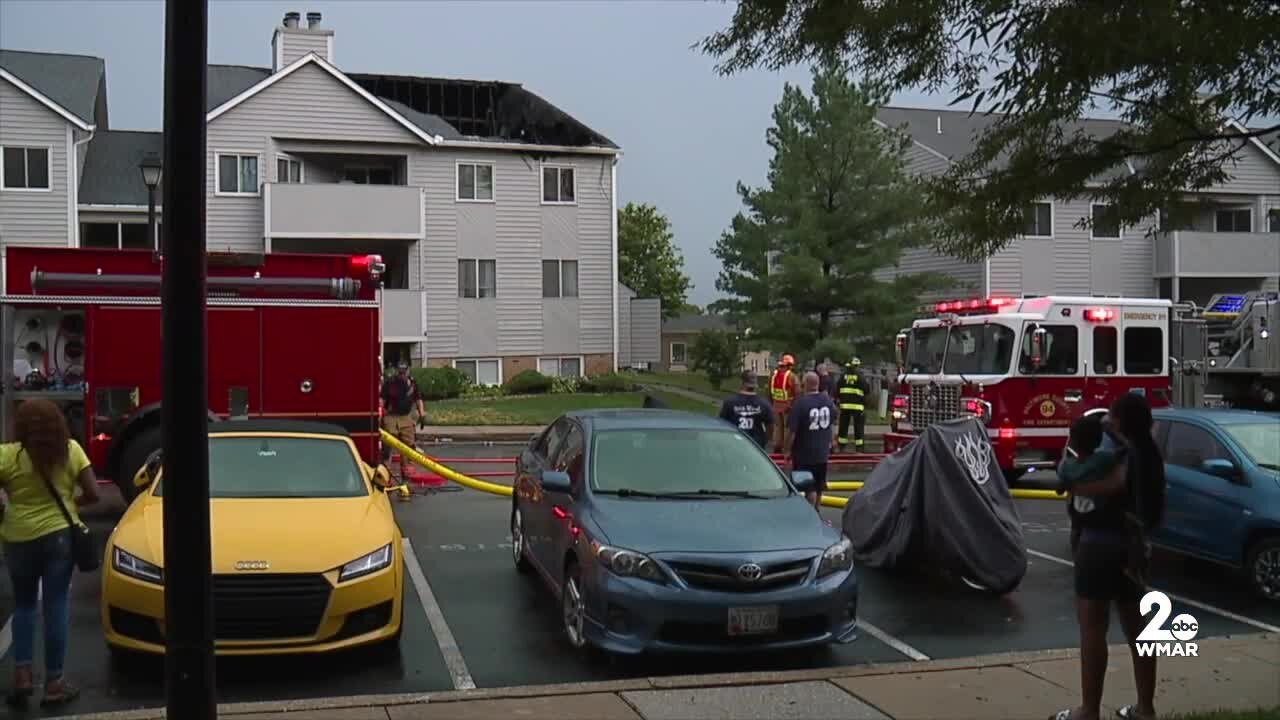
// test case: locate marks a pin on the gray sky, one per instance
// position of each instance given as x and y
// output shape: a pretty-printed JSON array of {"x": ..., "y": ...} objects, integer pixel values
[{"x": 624, "y": 68}]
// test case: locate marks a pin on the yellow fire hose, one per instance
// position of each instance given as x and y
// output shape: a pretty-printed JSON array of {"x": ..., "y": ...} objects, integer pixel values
[
  {"x": 1019, "y": 493},
  {"x": 444, "y": 472}
]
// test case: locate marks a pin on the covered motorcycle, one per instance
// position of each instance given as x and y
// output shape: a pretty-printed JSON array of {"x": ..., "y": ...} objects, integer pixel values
[{"x": 941, "y": 502}]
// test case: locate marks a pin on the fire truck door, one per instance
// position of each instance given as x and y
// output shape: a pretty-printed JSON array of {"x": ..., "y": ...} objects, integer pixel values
[
  {"x": 318, "y": 361},
  {"x": 1102, "y": 348},
  {"x": 234, "y": 349}
]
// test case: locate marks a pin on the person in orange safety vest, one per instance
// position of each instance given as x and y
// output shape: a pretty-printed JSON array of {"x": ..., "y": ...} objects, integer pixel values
[{"x": 784, "y": 386}]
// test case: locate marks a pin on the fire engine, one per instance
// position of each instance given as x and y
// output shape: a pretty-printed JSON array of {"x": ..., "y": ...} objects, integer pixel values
[
  {"x": 289, "y": 336},
  {"x": 1028, "y": 367}
]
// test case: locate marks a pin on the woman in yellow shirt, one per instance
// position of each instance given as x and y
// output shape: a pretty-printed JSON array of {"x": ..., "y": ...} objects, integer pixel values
[{"x": 37, "y": 539}]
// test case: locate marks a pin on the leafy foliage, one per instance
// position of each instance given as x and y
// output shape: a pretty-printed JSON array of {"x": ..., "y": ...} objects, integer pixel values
[
  {"x": 1172, "y": 70},
  {"x": 838, "y": 207},
  {"x": 562, "y": 384},
  {"x": 648, "y": 260},
  {"x": 528, "y": 382},
  {"x": 837, "y": 350},
  {"x": 608, "y": 383},
  {"x": 716, "y": 353},
  {"x": 439, "y": 383}
]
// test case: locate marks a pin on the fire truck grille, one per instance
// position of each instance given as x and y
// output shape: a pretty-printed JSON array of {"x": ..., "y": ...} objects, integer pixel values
[{"x": 933, "y": 403}]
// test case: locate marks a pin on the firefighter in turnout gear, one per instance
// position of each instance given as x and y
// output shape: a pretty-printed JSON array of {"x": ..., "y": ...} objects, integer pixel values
[
  {"x": 784, "y": 386},
  {"x": 853, "y": 404}
]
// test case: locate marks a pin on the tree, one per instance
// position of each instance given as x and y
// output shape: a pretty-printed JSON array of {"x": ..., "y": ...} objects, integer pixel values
[
  {"x": 648, "y": 260},
  {"x": 838, "y": 207},
  {"x": 717, "y": 354},
  {"x": 1175, "y": 71}
]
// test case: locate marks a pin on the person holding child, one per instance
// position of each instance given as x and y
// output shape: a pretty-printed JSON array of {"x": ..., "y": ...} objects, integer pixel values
[{"x": 1115, "y": 476}]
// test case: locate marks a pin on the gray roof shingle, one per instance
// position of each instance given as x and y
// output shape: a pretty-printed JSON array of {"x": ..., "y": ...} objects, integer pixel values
[
  {"x": 111, "y": 174},
  {"x": 224, "y": 82},
  {"x": 71, "y": 81}
]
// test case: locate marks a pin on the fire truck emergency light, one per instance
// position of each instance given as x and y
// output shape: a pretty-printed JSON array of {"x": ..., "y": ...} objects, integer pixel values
[
  {"x": 991, "y": 303},
  {"x": 1099, "y": 314}
]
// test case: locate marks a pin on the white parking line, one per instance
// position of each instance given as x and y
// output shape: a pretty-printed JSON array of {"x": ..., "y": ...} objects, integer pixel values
[
  {"x": 444, "y": 637},
  {"x": 1188, "y": 601},
  {"x": 891, "y": 641}
]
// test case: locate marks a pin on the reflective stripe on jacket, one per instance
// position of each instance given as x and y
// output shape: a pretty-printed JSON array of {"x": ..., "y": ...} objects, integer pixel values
[
  {"x": 780, "y": 384},
  {"x": 852, "y": 394}
]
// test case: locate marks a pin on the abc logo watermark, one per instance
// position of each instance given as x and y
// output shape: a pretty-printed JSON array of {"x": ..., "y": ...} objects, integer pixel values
[{"x": 1156, "y": 640}]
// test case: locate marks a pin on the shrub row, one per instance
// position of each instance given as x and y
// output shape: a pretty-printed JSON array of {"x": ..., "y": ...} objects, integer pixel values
[{"x": 444, "y": 383}]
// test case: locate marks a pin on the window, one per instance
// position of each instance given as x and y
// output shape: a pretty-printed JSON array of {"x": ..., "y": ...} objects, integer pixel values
[
  {"x": 1189, "y": 446},
  {"x": 237, "y": 174},
  {"x": 381, "y": 175},
  {"x": 925, "y": 349},
  {"x": 773, "y": 261},
  {"x": 26, "y": 168},
  {"x": 569, "y": 458},
  {"x": 475, "y": 182},
  {"x": 979, "y": 350},
  {"x": 678, "y": 350},
  {"x": 1144, "y": 351},
  {"x": 682, "y": 461},
  {"x": 116, "y": 236},
  {"x": 569, "y": 367},
  {"x": 477, "y": 279},
  {"x": 1273, "y": 220},
  {"x": 1104, "y": 227},
  {"x": 1106, "y": 350},
  {"x": 559, "y": 278},
  {"x": 558, "y": 185},
  {"x": 1039, "y": 220},
  {"x": 1260, "y": 441},
  {"x": 1061, "y": 351},
  {"x": 549, "y": 443},
  {"x": 1233, "y": 220},
  {"x": 264, "y": 467},
  {"x": 480, "y": 372},
  {"x": 288, "y": 170}
]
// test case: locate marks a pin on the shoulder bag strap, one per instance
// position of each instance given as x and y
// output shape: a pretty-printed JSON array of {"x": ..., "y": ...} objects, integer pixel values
[{"x": 48, "y": 484}]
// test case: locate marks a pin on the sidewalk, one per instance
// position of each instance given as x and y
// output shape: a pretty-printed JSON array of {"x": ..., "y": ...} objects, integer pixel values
[{"x": 1241, "y": 673}]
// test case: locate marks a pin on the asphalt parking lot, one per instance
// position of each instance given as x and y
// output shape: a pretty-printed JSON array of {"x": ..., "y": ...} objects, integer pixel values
[{"x": 472, "y": 621}]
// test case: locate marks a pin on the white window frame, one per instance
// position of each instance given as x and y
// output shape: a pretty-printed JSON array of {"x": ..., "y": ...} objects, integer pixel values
[
  {"x": 477, "y": 262},
  {"x": 302, "y": 169},
  {"x": 1119, "y": 229},
  {"x": 684, "y": 360},
  {"x": 560, "y": 279},
  {"x": 477, "y": 361},
  {"x": 1052, "y": 220},
  {"x": 542, "y": 183},
  {"x": 582, "y": 363},
  {"x": 342, "y": 178},
  {"x": 120, "y": 232},
  {"x": 1234, "y": 209},
  {"x": 457, "y": 184},
  {"x": 217, "y": 172},
  {"x": 48, "y": 154}
]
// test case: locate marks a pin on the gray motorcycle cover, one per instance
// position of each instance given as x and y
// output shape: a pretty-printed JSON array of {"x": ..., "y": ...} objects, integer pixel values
[{"x": 941, "y": 501}]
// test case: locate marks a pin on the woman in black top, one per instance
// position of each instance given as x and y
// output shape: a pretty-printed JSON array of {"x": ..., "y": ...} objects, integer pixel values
[{"x": 1129, "y": 502}]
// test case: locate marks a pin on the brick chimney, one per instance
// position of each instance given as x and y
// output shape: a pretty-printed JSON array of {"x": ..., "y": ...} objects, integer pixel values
[{"x": 292, "y": 40}]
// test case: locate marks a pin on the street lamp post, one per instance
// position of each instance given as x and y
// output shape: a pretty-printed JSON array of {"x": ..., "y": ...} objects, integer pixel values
[{"x": 152, "y": 170}]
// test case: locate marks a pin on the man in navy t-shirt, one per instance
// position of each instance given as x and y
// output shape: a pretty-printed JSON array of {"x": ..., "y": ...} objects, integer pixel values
[
  {"x": 747, "y": 412},
  {"x": 810, "y": 426}
]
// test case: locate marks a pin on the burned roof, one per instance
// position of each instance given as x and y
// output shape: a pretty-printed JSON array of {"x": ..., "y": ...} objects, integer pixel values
[{"x": 76, "y": 82}]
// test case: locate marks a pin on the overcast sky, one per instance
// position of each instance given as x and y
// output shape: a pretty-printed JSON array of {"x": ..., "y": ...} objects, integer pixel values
[{"x": 624, "y": 68}]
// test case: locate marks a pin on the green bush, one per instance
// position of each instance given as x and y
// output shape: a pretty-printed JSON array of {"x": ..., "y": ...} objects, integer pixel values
[
  {"x": 483, "y": 391},
  {"x": 528, "y": 382},
  {"x": 439, "y": 383},
  {"x": 566, "y": 385},
  {"x": 608, "y": 383}
]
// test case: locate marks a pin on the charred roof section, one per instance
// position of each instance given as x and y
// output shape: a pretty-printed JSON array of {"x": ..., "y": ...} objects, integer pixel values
[{"x": 486, "y": 110}]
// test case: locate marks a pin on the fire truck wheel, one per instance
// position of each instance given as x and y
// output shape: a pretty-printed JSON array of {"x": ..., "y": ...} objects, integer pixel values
[
  {"x": 1262, "y": 567},
  {"x": 135, "y": 456}
]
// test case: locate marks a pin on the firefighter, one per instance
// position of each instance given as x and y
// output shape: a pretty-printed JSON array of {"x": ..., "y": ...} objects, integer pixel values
[
  {"x": 853, "y": 398},
  {"x": 784, "y": 386},
  {"x": 400, "y": 398}
]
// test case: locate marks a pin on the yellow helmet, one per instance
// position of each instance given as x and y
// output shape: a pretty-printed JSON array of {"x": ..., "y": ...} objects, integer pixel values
[{"x": 855, "y": 362}]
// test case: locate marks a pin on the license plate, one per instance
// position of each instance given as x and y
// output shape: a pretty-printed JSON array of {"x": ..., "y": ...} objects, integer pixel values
[{"x": 753, "y": 620}]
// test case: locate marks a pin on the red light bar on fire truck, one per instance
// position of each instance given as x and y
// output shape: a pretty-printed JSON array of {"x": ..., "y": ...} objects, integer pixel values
[
  {"x": 972, "y": 306},
  {"x": 1099, "y": 314}
]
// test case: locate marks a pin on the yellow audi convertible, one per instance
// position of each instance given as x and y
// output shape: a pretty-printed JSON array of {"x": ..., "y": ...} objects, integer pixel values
[{"x": 307, "y": 555}]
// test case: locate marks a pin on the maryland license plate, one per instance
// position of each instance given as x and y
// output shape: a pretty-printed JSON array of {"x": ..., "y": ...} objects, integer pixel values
[{"x": 753, "y": 620}]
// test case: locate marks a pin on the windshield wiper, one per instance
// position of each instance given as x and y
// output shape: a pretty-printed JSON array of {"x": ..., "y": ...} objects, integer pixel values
[
  {"x": 628, "y": 492},
  {"x": 1269, "y": 466},
  {"x": 704, "y": 492}
]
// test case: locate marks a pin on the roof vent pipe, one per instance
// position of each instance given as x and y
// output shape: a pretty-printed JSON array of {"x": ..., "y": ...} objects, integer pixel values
[
  {"x": 313, "y": 19},
  {"x": 939, "y": 124},
  {"x": 291, "y": 19}
]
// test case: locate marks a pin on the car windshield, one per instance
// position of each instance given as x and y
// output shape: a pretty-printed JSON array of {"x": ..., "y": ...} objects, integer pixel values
[
  {"x": 282, "y": 467},
  {"x": 661, "y": 461},
  {"x": 925, "y": 350},
  {"x": 985, "y": 349},
  {"x": 1260, "y": 440}
]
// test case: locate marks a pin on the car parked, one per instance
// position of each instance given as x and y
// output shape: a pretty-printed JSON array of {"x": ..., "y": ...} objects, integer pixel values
[
  {"x": 668, "y": 531},
  {"x": 1222, "y": 469}
]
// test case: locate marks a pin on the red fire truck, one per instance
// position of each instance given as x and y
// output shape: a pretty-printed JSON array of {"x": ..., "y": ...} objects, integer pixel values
[
  {"x": 1028, "y": 367},
  {"x": 289, "y": 336}
]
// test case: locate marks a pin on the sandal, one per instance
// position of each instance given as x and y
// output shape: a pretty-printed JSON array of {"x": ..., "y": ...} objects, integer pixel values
[
  {"x": 69, "y": 693},
  {"x": 1130, "y": 712}
]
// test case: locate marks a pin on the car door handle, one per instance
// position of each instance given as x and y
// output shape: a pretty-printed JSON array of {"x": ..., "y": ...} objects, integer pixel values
[{"x": 1073, "y": 396}]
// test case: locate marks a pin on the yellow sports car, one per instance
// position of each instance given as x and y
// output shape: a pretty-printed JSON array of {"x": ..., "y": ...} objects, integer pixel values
[{"x": 307, "y": 555}]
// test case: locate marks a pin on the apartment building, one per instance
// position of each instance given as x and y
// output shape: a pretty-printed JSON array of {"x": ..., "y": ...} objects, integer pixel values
[
  {"x": 1231, "y": 245},
  {"x": 494, "y": 210}
]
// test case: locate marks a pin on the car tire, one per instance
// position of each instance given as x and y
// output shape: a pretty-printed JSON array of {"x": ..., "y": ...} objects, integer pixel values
[
  {"x": 1262, "y": 568},
  {"x": 573, "y": 610},
  {"x": 518, "y": 541}
]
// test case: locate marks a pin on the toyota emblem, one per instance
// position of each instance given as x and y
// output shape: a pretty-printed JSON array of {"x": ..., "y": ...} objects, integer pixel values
[{"x": 750, "y": 572}]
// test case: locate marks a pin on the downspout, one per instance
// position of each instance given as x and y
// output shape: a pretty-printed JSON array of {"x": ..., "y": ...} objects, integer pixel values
[
  {"x": 613, "y": 232},
  {"x": 74, "y": 168}
]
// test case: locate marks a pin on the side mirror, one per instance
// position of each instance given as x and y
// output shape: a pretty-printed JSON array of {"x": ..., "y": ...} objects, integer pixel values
[
  {"x": 1220, "y": 467},
  {"x": 803, "y": 480},
  {"x": 900, "y": 349},
  {"x": 150, "y": 470},
  {"x": 380, "y": 476},
  {"x": 1037, "y": 347},
  {"x": 556, "y": 482}
]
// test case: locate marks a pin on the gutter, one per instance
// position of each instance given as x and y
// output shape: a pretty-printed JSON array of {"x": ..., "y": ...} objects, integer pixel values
[{"x": 73, "y": 170}]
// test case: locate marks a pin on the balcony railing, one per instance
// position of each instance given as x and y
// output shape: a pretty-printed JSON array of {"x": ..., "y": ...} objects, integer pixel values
[
  {"x": 404, "y": 317},
  {"x": 347, "y": 210},
  {"x": 1241, "y": 254}
]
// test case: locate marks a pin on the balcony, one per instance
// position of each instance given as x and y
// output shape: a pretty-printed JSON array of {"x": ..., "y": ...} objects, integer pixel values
[
  {"x": 404, "y": 316},
  {"x": 1216, "y": 254},
  {"x": 343, "y": 211}
]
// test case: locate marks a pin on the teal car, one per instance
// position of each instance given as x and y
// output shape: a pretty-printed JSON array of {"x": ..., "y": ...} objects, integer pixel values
[{"x": 1222, "y": 468}]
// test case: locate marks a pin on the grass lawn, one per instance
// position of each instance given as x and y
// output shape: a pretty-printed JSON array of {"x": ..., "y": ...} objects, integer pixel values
[
  {"x": 542, "y": 409},
  {"x": 695, "y": 381}
]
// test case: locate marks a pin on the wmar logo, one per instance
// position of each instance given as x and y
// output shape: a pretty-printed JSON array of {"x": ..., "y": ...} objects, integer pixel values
[{"x": 1155, "y": 640}]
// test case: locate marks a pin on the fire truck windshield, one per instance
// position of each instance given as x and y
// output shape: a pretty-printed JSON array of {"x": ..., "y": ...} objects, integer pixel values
[{"x": 985, "y": 349}]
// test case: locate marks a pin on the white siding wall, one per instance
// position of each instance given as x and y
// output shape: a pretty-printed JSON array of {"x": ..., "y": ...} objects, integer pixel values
[
  {"x": 595, "y": 249},
  {"x": 34, "y": 218},
  {"x": 296, "y": 43},
  {"x": 434, "y": 171},
  {"x": 1252, "y": 173}
]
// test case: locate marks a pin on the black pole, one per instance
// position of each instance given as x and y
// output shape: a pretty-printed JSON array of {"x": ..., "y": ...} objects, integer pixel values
[
  {"x": 189, "y": 670},
  {"x": 151, "y": 218}
]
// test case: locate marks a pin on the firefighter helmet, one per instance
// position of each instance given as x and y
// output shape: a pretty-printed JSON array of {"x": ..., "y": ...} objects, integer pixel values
[{"x": 855, "y": 362}]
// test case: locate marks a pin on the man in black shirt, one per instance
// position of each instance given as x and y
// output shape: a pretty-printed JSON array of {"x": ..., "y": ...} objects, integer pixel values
[
  {"x": 747, "y": 412},
  {"x": 399, "y": 399},
  {"x": 809, "y": 428}
]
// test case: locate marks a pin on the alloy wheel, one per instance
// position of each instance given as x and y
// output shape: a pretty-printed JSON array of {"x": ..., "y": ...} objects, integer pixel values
[
  {"x": 1266, "y": 572},
  {"x": 517, "y": 536},
  {"x": 574, "y": 615}
]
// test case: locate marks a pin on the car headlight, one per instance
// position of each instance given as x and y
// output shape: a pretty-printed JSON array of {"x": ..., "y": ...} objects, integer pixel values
[
  {"x": 627, "y": 563},
  {"x": 135, "y": 567},
  {"x": 371, "y": 563},
  {"x": 836, "y": 558}
]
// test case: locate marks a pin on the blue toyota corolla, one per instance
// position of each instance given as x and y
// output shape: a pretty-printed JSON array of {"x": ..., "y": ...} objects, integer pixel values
[{"x": 668, "y": 531}]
